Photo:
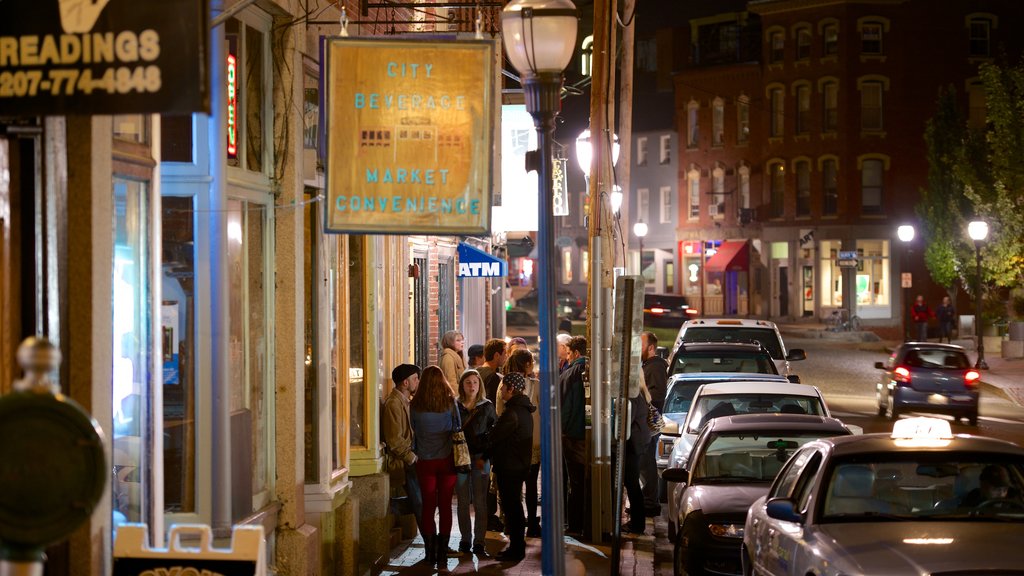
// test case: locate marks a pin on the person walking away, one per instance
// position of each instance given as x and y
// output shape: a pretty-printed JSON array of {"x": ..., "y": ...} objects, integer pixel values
[
  {"x": 655, "y": 370},
  {"x": 478, "y": 417},
  {"x": 494, "y": 359},
  {"x": 451, "y": 362},
  {"x": 521, "y": 362},
  {"x": 398, "y": 438},
  {"x": 475, "y": 357},
  {"x": 919, "y": 314},
  {"x": 946, "y": 315},
  {"x": 574, "y": 424},
  {"x": 510, "y": 445},
  {"x": 434, "y": 418},
  {"x": 636, "y": 446}
]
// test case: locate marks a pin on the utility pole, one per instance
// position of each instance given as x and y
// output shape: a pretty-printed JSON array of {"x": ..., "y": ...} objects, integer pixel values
[
  {"x": 602, "y": 255},
  {"x": 623, "y": 167}
]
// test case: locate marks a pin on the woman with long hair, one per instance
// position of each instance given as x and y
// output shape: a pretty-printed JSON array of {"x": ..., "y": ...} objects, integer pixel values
[
  {"x": 478, "y": 417},
  {"x": 521, "y": 362},
  {"x": 434, "y": 417}
]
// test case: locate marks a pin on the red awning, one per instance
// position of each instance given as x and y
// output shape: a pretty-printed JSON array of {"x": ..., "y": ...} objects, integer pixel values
[{"x": 730, "y": 256}]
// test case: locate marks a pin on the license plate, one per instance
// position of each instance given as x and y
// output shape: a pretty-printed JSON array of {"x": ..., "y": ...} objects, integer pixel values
[
  {"x": 938, "y": 399},
  {"x": 962, "y": 398}
]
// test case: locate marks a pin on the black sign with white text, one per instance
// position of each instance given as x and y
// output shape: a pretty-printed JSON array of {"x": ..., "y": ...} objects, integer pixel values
[{"x": 62, "y": 57}]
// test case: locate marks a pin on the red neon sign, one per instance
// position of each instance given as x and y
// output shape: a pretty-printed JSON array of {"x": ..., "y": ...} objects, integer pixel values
[{"x": 232, "y": 109}]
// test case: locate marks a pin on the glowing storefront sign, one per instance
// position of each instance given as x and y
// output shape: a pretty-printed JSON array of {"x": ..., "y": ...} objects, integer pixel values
[
  {"x": 232, "y": 108},
  {"x": 409, "y": 127}
]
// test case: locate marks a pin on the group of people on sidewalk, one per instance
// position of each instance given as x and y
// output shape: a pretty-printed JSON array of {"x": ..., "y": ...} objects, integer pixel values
[
  {"x": 494, "y": 402},
  {"x": 921, "y": 313}
]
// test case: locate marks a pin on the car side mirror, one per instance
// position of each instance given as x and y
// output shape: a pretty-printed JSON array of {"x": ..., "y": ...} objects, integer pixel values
[
  {"x": 794, "y": 378},
  {"x": 662, "y": 352},
  {"x": 675, "y": 475},
  {"x": 782, "y": 509},
  {"x": 796, "y": 354},
  {"x": 879, "y": 365}
]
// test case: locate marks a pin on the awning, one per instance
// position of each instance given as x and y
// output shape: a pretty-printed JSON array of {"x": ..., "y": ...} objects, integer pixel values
[
  {"x": 476, "y": 263},
  {"x": 731, "y": 255}
]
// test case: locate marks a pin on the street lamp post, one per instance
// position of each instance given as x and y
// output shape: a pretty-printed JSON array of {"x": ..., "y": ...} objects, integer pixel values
[
  {"x": 978, "y": 231},
  {"x": 906, "y": 235},
  {"x": 640, "y": 229},
  {"x": 539, "y": 38}
]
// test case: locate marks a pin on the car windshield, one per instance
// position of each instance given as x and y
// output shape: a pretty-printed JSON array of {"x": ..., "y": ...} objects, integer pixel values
[
  {"x": 936, "y": 358},
  {"x": 713, "y": 406},
  {"x": 748, "y": 457},
  {"x": 727, "y": 361},
  {"x": 767, "y": 337},
  {"x": 679, "y": 398},
  {"x": 940, "y": 486}
]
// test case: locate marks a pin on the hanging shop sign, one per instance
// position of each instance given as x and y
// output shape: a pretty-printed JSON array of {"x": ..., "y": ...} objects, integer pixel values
[
  {"x": 475, "y": 263},
  {"x": 560, "y": 186},
  {"x": 409, "y": 130},
  {"x": 63, "y": 57},
  {"x": 134, "y": 557}
]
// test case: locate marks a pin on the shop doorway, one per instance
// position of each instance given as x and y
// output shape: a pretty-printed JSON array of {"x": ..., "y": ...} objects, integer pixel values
[{"x": 783, "y": 291}]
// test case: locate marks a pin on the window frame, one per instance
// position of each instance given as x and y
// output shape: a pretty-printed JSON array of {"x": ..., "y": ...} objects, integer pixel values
[
  {"x": 777, "y": 187},
  {"x": 776, "y": 47},
  {"x": 882, "y": 164},
  {"x": 262, "y": 22},
  {"x": 829, "y": 200},
  {"x": 742, "y": 119},
  {"x": 867, "y": 113},
  {"x": 829, "y": 89},
  {"x": 641, "y": 151},
  {"x": 692, "y": 124},
  {"x": 665, "y": 149},
  {"x": 830, "y": 46},
  {"x": 872, "y": 46},
  {"x": 717, "y": 193},
  {"x": 665, "y": 215},
  {"x": 802, "y": 174},
  {"x": 972, "y": 40},
  {"x": 804, "y": 41},
  {"x": 693, "y": 193},
  {"x": 717, "y": 122},
  {"x": 777, "y": 111},
  {"x": 802, "y": 104}
]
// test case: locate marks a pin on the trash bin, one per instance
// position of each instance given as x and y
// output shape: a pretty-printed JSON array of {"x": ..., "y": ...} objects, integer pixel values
[{"x": 1016, "y": 331}]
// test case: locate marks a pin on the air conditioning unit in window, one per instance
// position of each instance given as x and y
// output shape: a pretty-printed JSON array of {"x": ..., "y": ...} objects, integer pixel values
[{"x": 716, "y": 210}]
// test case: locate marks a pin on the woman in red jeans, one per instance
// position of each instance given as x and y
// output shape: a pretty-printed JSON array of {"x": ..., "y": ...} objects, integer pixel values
[{"x": 434, "y": 416}]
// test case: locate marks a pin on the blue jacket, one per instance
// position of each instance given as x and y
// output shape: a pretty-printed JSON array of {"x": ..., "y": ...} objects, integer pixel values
[{"x": 432, "y": 432}]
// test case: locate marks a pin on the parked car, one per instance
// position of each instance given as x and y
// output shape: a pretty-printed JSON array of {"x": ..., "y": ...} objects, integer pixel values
[
  {"x": 710, "y": 357},
  {"x": 899, "y": 504},
  {"x": 735, "y": 460},
  {"x": 719, "y": 399},
  {"x": 740, "y": 330},
  {"x": 667, "y": 310},
  {"x": 522, "y": 324},
  {"x": 925, "y": 377},
  {"x": 566, "y": 303}
]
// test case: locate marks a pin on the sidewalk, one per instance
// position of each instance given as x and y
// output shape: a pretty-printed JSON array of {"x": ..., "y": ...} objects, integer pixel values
[{"x": 641, "y": 555}]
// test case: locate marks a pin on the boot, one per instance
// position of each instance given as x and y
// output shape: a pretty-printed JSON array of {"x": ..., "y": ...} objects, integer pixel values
[
  {"x": 442, "y": 552},
  {"x": 430, "y": 547}
]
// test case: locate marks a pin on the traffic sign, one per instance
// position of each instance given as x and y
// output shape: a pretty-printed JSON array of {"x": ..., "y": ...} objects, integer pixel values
[
  {"x": 847, "y": 255},
  {"x": 848, "y": 263},
  {"x": 906, "y": 280}
]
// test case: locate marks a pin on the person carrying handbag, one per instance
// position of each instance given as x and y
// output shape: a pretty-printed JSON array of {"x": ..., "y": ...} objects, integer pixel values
[
  {"x": 478, "y": 417},
  {"x": 431, "y": 411}
]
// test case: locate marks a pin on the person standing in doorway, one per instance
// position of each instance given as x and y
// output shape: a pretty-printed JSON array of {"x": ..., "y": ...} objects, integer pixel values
[
  {"x": 398, "y": 438},
  {"x": 946, "y": 315},
  {"x": 655, "y": 370},
  {"x": 574, "y": 432},
  {"x": 919, "y": 314},
  {"x": 434, "y": 417},
  {"x": 452, "y": 363}
]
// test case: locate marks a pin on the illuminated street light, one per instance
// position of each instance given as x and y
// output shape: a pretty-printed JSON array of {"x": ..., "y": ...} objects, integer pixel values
[
  {"x": 640, "y": 229},
  {"x": 978, "y": 231},
  {"x": 906, "y": 235}
]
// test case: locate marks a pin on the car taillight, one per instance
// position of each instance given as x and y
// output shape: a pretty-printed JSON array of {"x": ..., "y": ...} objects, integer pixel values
[
  {"x": 691, "y": 311},
  {"x": 901, "y": 374},
  {"x": 971, "y": 378},
  {"x": 658, "y": 310}
]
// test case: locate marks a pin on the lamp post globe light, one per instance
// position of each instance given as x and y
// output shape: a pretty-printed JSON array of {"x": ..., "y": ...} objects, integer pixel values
[
  {"x": 640, "y": 229},
  {"x": 906, "y": 235},
  {"x": 539, "y": 38},
  {"x": 978, "y": 231}
]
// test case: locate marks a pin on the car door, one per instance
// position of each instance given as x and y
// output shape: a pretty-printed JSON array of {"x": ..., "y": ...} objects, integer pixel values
[
  {"x": 774, "y": 539},
  {"x": 790, "y": 537}
]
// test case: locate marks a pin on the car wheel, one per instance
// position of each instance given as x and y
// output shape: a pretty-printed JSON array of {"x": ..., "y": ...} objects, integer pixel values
[
  {"x": 672, "y": 531},
  {"x": 892, "y": 412},
  {"x": 972, "y": 418},
  {"x": 685, "y": 554},
  {"x": 881, "y": 407}
]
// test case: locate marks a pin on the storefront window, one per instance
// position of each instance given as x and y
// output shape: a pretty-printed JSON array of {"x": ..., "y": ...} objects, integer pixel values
[
  {"x": 247, "y": 47},
  {"x": 357, "y": 335},
  {"x": 178, "y": 290},
  {"x": 248, "y": 354},
  {"x": 831, "y": 293},
  {"x": 872, "y": 279},
  {"x": 132, "y": 299}
]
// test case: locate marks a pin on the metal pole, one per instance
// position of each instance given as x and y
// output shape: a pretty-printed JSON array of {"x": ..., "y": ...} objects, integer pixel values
[
  {"x": 622, "y": 422},
  {"x": 907, "y": 320},
  {"x": 542, "y": 100},
  {"x": 980, "y": 364}
]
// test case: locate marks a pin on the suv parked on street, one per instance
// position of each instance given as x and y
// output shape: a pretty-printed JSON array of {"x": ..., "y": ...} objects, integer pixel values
[{"x": 740, "y": 330}]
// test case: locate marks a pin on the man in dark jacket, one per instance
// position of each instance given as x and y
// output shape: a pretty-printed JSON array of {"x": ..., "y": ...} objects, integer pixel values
[
  {"x": 574, "y": 434},
  {"x": 636, "y": 447},
  {"x": 511, "y": 443},
  {"x": 656, "y": 375}
]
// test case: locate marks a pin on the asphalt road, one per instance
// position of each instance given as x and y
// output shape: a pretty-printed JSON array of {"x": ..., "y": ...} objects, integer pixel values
[{"x": 845, "y": 374}]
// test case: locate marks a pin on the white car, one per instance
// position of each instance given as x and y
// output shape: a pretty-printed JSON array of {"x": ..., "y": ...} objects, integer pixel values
[
  {"x": 732, "y": 398},
  {"x": 916, "y": 501},
  {"x": 740, "y": 330}
]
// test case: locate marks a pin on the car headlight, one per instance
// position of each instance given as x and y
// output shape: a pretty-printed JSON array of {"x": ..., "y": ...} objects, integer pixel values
[{"x": 726, "y": 530}]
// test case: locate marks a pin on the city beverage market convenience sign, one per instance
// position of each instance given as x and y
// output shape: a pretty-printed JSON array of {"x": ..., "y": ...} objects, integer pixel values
[
  {"x": 409, "y": 128},
  {"x": 62, "y": 57}
]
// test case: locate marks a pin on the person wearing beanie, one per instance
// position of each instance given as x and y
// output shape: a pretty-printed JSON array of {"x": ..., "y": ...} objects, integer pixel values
[
  {"x": 478, "y": 417},
  {"x": 511, "y": 449},
  {"x": 396, "y": 427}
]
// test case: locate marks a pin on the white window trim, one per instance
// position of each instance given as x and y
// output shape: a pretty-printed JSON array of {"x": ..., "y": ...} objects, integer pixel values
[
  {"x": 666, "y": 205},
  {"x": 239, "y": 175}
]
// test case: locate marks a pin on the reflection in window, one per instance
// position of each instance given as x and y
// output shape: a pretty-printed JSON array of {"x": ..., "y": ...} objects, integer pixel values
[
  {"x": 871, "y": 38},
  {"x": 980, "y": 31},
  {"x": 743, "y": 119},
  {"x": 871, "y": 190},
  {"x": 803, "y": 44},
  {"x": 566, "y": 266},
  {"x": 178, "y": 320},
  {"x": 313, "y": 268},
  {"x": 777, "y": 43},
  {"x": 831, "y": 290},
  {"x": 356, "y": 341},
  {"x": 132, "y": 346},
  {"x": 830, "y": 38},
  {"x": 872, "y": 278},
  {"x": 248, "y": 354},
  {"x": 130, "y": 128},
  {"x": 693, "y": 180}
]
